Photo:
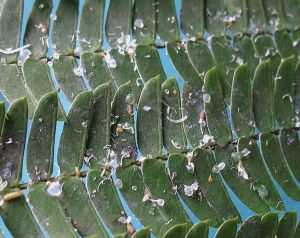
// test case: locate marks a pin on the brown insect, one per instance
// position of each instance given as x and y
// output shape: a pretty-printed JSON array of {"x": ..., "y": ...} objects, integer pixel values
[
  {"x": 210, "y": 179},
  {"x": 119, "y": 129}
]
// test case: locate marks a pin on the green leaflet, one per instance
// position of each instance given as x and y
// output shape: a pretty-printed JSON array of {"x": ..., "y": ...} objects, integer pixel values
[
  {"x": 166, "y": 21},
  {"x": 251, "y": 228},
  {"x": 104, "y": 197},
  {"x": 240, "y": 185},
  {"x": 77, "y": 205},
  {"x": 18, "y": 210},
  {"x": 297, "y": 232},
  {"x": 241, "y": 102},
  {"x": 269, "y": 224},
  {"x": 38, "y": 81},
  {"x": 122, "y": 131},
  {"x": 287, "y": 225},
  {"x": 258, "y": 173},
  {"x": 49, "y": 213},
  {"x": 68, "y": 81},
  {"x": 274, "y": 14},
  {"x": 75, "y": 133},
  {"x": 37, "y": 28},
  {"x": 199, "y": 230},
  {"x": 173, "y": 133},
  {"x": 211, "y": 184},
  {"x": 148, "y": 63},
  {"x": 12, "y": 86},
  {"x": 10, "y": 23},
  {"x": 95, "y": 69},
  {"x": 201, "y": 59},
  {"x": 262, "y": 96},
  {"x": 275, "y": 160},
  {"x": 118, "y": 21},
  {"x": 143, "y": 233},
  {"x": 214, "y": 14},
  {"x": 182, "y": 177},
  {"x": 144, "y": 16},
  {"x": 182, "y": 64},
  {"x": 284, "y": 92},
  {"x": 176, "y": 231},
  {"x": 149, "y": 119},
  {"x": 239, "y": 10},
  {"x": 40, "y": 147},
  {"x": 64, "y": 27},
  {"x": 226, "y": 62},
  {"x": 227, "y": 229},
  {"x": 257, "y": 17},
  {"x": 13, "y": 142},
  {"x": 90, "y": 38},
  {"x": 215, "y": 108},
  {"x": 290, "y": 146},
  {"x": 160, "y": 188},
  {"x": 133, "y": 191},
  {"x": 297, "y": 94},
  {"x": 291, "y": 9},
  {"x": 192, "y": 18},
  {"x": 284, "y": 44},
  {"x": 99, "y": 129}
]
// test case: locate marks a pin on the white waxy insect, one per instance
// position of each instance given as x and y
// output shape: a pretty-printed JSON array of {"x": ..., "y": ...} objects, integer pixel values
[
  {"x": 195, "y": 186},
  {"x": 130, "y": 99},
  {"x": 78, "y": 71},
  {"x": 160, "y": 202},
  {"x": 242, "y": 172},
  {"x": 138, "y": 23},
  {"x": 118, "y": 183},
  {"x": 146, "y": 108},
  {"x": 188, "y": 191},
  {"x": 54, "y": 189},
  {"x": 262, "y": 191},
  {"x": 134, "y": 188},
  {"x": 218, "y": 167},
  {"x": 1, "y": 200},
  {"x": 125, "y": 220}
]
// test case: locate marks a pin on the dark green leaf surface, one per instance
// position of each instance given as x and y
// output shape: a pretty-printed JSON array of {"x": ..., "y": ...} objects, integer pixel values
[
  {"x": 284, "y": 43},
  {"x": 149, "y": 119},
  {"x": 239, "y": 10},
  {"x": 215, "y": 108},
  {"x": 274, "y": 14},
  {"x": 297, "y": 232},
  {"x": 240, "y": 186},
  {"x": 166, "y": 21},
  {"x": 38, "y": 80},
  {"x": 10, "y": 23},
  {"x": 104, "y": 197},
  {"x": 214, "y": 16},
  {"x": 284, "y": 92},
  {"x": 90, "y": 38},
  {"x": 118, "y": 21},
  {"x": 173, "y": 133},
  {"x": 275, "y": 160},
  {"x": 133, "y": 190},
  {"x": 12, "y": 86},
  {"x": 200, "y": 57},
  {"x": 290, "y": 146},
  {"x": 227, "y": 229},
  {"x": 68, "y": 81},
  {"x": 99, "y": 130},
  {"x": 297, "y": 94},
  {"x": 143, "y": 233},
  {"x": 287, "y": 225},
  {"x": 18, "y": 218},
  {"x": 2, "y": 114},
  {"x": 180, "y": 177},
  {"x": 257, "y": 17},
  {"x": 77, "y": 205},
  {"x": 146, "y": 12},
  {"x": 13, "y": 142},
  {"x": 182, "y": 64},
  {"x": 75, "y": 133},
  {"x": 262, "y": 95},
  {"x": 64, "y": 27},
  {"x": 291, "y": 9},
  {"x": 148, "y": 62},
  {"x": 192, "y": 18},
  {"x": 49, "y": 213},
  {"x": 96, "y": 71},
  {"x": 199, "y": 230},
  {"x": 177, "y": 231},
  {"x": 123, "y": 138},
  {"x": 269, "y": 224},
  {"x": 40, "y": 147},
  {"x": 211, "y": 184},
  {"x": 159, "y": 186},
  {"x": 37, "y": 28},
  {"x": 193, "y": 110},
  {"x": 258, "y": 172},
  {"x": 241, "y": 102},
  {"x": 251, "y": 228}
]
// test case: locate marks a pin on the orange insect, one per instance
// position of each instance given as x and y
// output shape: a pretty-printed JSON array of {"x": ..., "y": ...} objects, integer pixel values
[{"x": 210, "y": 179}]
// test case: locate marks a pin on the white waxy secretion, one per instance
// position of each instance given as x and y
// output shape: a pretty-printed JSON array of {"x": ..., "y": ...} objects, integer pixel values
[
  {"x": 54, "y": 189},
  {"x": 138, "y": 23}
]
